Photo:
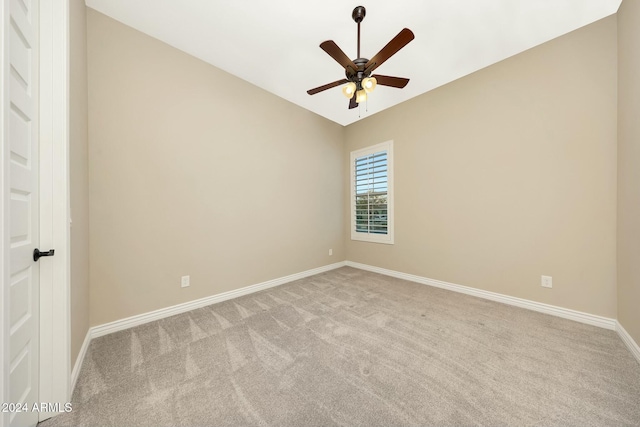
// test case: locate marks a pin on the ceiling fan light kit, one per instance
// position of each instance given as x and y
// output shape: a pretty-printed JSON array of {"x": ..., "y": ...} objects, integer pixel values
[{"x": 359, "y": 81}]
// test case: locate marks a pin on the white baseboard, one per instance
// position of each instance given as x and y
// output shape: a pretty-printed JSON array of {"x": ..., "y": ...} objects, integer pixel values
[
  {"x": 130, "y": 322},
  {"x": 77, "y": 367},
  {"x": 629, "y": 341},
  {"x": 578, "y": 316}
]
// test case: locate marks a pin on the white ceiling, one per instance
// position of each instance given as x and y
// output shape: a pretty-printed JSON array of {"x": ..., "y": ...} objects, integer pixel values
[{"x": 274, "y": 44}]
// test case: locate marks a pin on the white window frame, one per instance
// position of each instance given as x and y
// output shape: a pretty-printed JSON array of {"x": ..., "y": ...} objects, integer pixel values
[{"x": 371, "y": 237}]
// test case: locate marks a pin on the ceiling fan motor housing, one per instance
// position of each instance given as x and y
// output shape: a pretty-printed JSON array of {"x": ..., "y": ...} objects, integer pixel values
[{"x": 359, "y": 74}]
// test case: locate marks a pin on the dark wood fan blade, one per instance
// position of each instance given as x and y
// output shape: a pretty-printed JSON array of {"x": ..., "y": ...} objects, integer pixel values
[
  {"x": 352, "y": 102},
  {"x": 327, "y": 86},
  {"x": 397, "y": 43},
  {"x": 398, "y": 82},
  {"x": 336, "y": 53}
]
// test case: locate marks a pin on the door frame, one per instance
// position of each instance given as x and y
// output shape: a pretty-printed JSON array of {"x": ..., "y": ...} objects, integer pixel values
[
  {"x": 55, "y": 305},
  {"x": 55, "y": 326},
  {"x": 4, "y": 205}
]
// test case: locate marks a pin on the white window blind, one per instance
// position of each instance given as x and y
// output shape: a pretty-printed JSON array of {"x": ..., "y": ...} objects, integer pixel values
[{"x": 372, "y": 194}]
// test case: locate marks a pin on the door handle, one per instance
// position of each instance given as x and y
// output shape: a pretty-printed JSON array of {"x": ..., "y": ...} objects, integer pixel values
[{"x": 37, "y": 254}]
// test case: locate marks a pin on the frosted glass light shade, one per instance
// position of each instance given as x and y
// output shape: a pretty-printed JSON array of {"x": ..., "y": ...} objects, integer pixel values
[
  {"x": 369, "y": 84},
  {"x": 361, "y": 96},
  {"x": 349, "y": 89}
]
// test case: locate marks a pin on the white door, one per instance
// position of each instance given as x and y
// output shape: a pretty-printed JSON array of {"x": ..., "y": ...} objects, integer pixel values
[{"x": 23, "y": 182}]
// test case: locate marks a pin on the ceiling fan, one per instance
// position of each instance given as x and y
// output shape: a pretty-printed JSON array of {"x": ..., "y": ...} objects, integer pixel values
[{"x": 359, "y": 80}]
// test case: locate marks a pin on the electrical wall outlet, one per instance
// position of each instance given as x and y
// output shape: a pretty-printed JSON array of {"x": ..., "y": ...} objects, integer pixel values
[
  {"x": 546, "y": 281},
  {"x": 184, "y": 282},
  {"x": 330, "y": 252}
]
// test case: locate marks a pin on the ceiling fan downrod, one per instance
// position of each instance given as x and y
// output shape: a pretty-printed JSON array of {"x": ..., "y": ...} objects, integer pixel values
[{"x": 358, "y": 15}]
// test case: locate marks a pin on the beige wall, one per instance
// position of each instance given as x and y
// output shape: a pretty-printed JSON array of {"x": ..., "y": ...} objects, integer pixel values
[
  {"x": 509, "y": 174},
  {"x": 629, "y": 167},
  {"x": 79, "y": 176},
  {"x": 196, "y": 172},
  {"x": 501, "y": 176}
]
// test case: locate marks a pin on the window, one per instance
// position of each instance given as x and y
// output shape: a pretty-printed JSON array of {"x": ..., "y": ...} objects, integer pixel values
[{"x": 372, "y": 193}]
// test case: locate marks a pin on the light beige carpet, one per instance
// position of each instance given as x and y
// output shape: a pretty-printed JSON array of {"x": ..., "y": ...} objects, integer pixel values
[{"x": 354, "y": 348}]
